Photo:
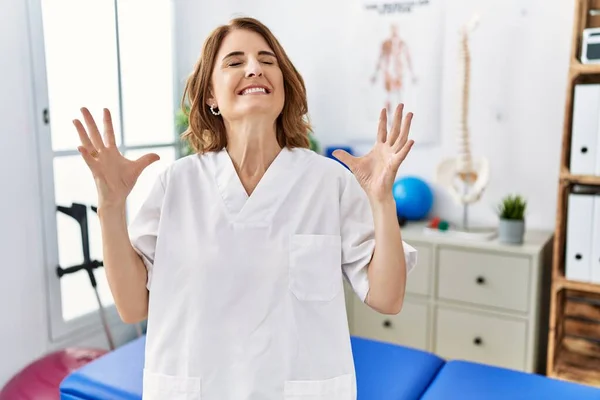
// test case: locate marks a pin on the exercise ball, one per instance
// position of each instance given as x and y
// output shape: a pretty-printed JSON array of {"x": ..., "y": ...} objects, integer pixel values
[
  {"x": 414, "y": 198},
  {"x": 41, "y": 379}
]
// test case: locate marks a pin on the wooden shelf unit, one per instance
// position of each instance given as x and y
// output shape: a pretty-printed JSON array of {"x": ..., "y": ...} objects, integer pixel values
[
  {"x": 580, "y": 179},
  {"x": 574, "y": 323},
  {"x": 578, "y": 68}
]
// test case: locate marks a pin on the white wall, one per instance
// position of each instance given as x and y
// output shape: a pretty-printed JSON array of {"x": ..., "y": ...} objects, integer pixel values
[
  {"x": 24, "y": 334},
  {"x": 520, "y": 59}
]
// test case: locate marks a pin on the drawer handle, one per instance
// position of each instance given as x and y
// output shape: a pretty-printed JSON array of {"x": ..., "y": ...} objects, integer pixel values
[
  {"x": 387, "y": 323},
  {"x": 480, "y": 280},
  {"x": 477, "y": 341}
]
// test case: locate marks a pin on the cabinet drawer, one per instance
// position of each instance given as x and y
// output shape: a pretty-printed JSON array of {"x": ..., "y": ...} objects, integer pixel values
[
  {"x": 481, "y": 338},
  {"x": 484, "y": 278},
  {"x": 408, "y": 328},
  {"x": 418, "y": 280}
]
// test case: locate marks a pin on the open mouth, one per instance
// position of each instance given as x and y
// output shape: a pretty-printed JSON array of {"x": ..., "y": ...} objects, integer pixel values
[{"x": 254, "y": 90}]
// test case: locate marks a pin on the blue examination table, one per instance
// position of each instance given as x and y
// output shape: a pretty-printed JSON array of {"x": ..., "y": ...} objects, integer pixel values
[
  {"x": 114, "y": 376},
  {"x": 384, "y": 372}
]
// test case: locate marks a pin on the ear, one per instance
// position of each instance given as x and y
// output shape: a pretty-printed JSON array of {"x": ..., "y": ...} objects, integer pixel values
[{"x": 210, "y": 99}]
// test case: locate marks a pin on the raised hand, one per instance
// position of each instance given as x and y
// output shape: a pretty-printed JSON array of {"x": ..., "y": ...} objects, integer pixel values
[
  {"x": 115, "y": 175},
  {"x": 376, "y": 171}
]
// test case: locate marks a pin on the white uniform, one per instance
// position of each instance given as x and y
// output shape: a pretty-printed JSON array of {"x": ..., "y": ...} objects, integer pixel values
[{"x": 246, "y": 293}]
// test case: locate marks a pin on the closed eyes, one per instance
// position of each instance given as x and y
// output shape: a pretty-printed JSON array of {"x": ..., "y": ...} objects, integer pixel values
[
  {"x": 238, "y": 63},
  {"x": 267, "y": 58}
]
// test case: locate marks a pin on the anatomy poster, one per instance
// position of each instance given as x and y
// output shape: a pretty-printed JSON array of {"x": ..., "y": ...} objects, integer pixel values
[{"x": 399, "y": 53}]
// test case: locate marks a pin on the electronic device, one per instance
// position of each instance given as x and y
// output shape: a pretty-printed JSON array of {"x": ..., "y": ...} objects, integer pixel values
[{"x": 590, "y": 46}]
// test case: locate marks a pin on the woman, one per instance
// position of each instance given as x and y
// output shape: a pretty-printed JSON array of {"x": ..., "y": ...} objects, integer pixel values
[{"x": 238, "y": 255}]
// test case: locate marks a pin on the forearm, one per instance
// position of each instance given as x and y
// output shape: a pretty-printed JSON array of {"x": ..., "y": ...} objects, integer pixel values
[
  {"x": 125, "y": 270},
  {"x": 387, "y": 269}
]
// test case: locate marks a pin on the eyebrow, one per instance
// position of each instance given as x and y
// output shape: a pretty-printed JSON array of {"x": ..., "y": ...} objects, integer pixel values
[{"x": 241, "y": 53}]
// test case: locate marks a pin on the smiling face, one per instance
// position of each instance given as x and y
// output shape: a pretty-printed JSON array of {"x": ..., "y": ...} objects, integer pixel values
[{"x": 246, "y": 79}]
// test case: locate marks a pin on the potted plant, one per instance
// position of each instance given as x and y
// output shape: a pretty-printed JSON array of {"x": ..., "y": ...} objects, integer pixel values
[
  {"x": 181, "y": 123},
  {"x": 511, "y": 212}
]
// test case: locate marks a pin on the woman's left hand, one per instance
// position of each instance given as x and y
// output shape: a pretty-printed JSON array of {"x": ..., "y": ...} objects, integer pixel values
[{"x": 376, "y": 171}]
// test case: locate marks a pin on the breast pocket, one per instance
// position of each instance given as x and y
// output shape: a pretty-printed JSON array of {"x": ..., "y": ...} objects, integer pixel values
[{"x": 315, "y": 267}]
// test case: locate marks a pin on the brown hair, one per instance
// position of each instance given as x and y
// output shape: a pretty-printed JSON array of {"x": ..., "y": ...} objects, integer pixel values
[{"x": 206, "y": 132}]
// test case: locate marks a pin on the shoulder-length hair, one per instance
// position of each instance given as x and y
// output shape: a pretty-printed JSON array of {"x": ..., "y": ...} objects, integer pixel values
[{"x": 206, "y": 132}]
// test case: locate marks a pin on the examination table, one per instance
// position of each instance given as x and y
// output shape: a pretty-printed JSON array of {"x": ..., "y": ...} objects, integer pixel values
[{"x": 384, "y": 372}]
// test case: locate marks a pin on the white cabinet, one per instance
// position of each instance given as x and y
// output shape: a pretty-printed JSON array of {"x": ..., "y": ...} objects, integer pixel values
[
  {"x": 407, "y": 328},
  {"x": 477, "y": 301},
  {"x": 481, "y": 337}
]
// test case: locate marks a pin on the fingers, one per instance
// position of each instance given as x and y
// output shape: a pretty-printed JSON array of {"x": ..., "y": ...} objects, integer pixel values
[
  {"x": 145, "y": 160},
  {"x": 87, "y": 157},
  {"x": 382, "y": 130},
  {"x": 92, "y": 128},
  {"x": 404, "y": 131},
  {"x": 395, "y": 132},
  {"x": 83, "y": 136},
  {"x": 401, "y": 155},
  {"x": 345, "y": 157},
  {"x": 109, "y": 133}
]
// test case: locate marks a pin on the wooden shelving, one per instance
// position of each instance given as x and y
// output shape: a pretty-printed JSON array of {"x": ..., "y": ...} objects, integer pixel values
[
  {"x": 562, "y": 283},
  {"x": 584, "y": 69},
  {"x": 574, "y": 323},
  {"x": 578, "y": 361},
  {"x": 580, "y": 179}
]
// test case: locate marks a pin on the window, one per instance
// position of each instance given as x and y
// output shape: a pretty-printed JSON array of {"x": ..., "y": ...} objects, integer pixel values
[{"x": 96, "y": 53}]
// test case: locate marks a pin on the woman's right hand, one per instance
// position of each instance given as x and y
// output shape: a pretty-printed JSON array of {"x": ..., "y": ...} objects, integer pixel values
[{"x": 115, "y": 175}]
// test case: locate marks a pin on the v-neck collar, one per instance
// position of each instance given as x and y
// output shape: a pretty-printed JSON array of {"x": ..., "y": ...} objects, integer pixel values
[{"x": 254, "y": 208}]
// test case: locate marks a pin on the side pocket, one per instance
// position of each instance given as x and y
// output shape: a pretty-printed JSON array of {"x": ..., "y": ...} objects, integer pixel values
[
  {"x": 315, "y": 267},
  {"x": 338, "y": 388},
  {"x": 158, "y": 386}
]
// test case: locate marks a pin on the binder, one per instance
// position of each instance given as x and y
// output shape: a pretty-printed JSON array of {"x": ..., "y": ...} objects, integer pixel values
[
  {"x": 595, "y": 259},
  {"x": 579, "y": 231},
  {"x": 585, "y": 145}
]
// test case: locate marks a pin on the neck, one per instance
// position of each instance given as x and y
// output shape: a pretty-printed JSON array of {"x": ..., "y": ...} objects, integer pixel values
[{"x": 252, "y": 146}]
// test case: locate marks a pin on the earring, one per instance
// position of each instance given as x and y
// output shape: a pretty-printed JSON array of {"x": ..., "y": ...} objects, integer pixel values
[{"x": 212, "y": 110}]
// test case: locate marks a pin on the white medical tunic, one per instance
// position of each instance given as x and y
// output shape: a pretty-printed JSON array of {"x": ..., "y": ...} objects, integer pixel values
[{"x": 246, "y": 298}]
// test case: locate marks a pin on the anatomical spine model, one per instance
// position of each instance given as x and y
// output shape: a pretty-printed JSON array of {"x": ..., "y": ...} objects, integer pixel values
[{"x": 463, "y": 176}]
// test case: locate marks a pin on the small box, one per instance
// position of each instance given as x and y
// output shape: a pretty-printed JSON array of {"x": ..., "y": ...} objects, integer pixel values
[{"x": 590, "y": 46}]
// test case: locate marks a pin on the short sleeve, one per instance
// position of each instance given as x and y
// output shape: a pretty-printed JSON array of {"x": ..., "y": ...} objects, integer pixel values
[
  {"x": 143, "y": 229},
  {"x": 358, "y": 237}
]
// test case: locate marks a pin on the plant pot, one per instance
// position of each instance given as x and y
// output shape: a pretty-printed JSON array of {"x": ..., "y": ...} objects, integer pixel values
[{"x": 511, "y": 231}]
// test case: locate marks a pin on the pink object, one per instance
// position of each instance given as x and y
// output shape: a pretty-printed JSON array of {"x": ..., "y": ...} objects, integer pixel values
[{"x": 41, "y": 379}]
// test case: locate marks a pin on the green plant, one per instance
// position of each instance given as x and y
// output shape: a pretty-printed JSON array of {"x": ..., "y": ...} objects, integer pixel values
[
  {"x": 181, "y": 119},
  {"x": 314, "y": 143},
  {"x": 512, "y": 207},
  {"x": 181, "y": 123}
]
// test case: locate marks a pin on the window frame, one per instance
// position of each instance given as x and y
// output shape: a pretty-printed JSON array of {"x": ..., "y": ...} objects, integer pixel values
[{"x": 58, "y": 328}]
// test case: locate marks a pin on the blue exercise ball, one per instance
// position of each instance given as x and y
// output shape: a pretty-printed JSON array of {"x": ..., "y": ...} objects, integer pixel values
[{"x": 414, "y": 198}]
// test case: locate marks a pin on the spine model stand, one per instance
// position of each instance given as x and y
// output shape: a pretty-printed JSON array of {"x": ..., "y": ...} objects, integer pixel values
[{"x": 464, "y": 177}]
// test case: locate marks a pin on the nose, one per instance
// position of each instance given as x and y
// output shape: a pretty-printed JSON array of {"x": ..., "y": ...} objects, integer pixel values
[{"x": 253, "y": 68}]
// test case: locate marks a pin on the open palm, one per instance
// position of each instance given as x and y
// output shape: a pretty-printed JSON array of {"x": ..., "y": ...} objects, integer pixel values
[
  {"x": 115, "y": 175},
  {"x": 376, "y": 171}
]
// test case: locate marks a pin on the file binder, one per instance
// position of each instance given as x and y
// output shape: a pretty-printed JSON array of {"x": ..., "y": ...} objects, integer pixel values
[
  {"x": 585, "y": 144},
  {"x": 595, "y": 259},
  {"x": 578, "y": 249}
]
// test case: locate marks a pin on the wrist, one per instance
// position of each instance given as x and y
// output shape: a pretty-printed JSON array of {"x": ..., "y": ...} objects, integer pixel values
[
  {"x": 383, "y": 204},
  {"x": 112, "y": 210}
]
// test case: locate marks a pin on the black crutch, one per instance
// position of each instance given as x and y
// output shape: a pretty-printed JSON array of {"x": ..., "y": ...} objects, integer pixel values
[{"x": 79, "y": 213}]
